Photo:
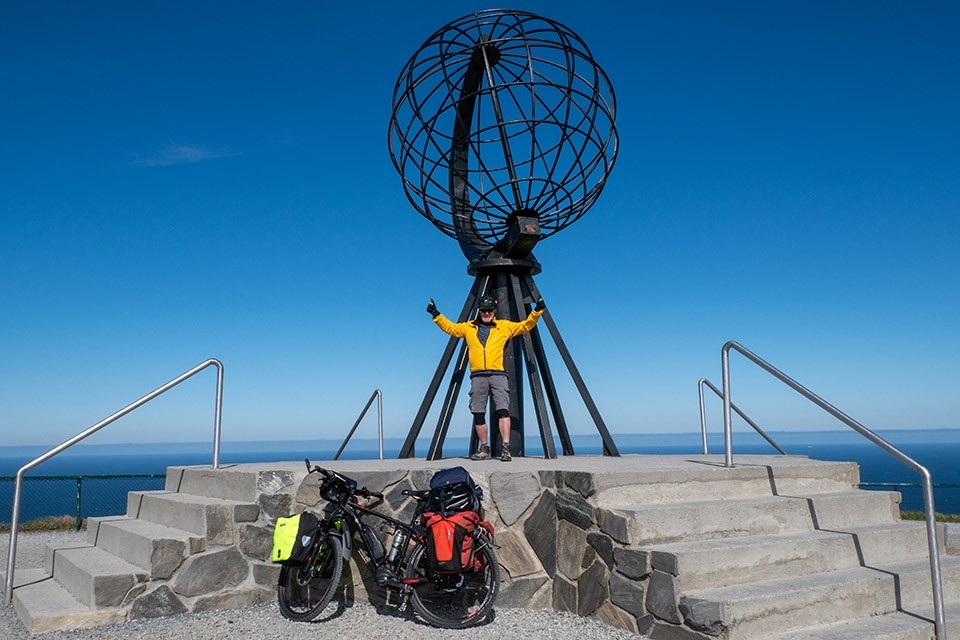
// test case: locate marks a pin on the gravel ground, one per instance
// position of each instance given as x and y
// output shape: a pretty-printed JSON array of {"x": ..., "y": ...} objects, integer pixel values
[{"x": 265, "y": 621}]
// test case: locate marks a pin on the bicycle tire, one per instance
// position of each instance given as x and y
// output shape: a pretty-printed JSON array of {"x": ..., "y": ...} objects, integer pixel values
[
  {"x": 444, "y": 600},
  {"x": 304, "y": 591}
]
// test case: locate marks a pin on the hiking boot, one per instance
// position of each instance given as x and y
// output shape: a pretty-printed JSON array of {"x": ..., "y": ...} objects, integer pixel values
[
  {"x": 505, "y": 453},
  {"x": 482, "y": 454}
]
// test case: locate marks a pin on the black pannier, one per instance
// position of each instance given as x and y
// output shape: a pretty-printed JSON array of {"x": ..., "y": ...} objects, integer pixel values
[{"x": 453, "y": 490}]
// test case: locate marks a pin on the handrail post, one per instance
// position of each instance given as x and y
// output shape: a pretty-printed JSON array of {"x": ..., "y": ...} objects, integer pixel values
[
  {"x": 936, "y": 578},
  {"x": 18, "y": 486},
  {"x": 703, "y": 416},
  {"x": 380, "y": 420},
  {"x": 218, "y": 412},
  {"x": 376, "y": 394},
  {"x": 727, "y": 418}
]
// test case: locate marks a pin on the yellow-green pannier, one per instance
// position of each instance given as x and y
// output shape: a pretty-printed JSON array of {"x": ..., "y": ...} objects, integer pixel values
[{"x": 293, "y": 537}]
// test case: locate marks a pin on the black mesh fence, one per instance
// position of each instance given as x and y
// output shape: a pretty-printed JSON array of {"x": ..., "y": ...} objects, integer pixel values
[
  {"x": 946, "y": 496},
  {"x": 56, "y": 502}
]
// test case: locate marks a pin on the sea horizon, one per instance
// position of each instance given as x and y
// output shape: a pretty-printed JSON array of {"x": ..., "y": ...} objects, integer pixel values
[{"x": 935, "y": 449}]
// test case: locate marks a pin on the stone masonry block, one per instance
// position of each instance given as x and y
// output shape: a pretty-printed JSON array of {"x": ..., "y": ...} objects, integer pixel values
[
  {"x": 549, "y": 479},
  {"x": 592, "y": 589},
  {"x": 275, "y": 505},
  {"x": 256, "y": 541},
  {"x": 571, "y": 544},
  {"x": 379, "y": 480},
  {"x": 540, "y": 529},
  {"x": 156, "y": 604},
  {"x": 513, "y": 494},
  {"x": 574, "y": 508},
  {"x": 632, "y": 563},
  {"x": 614, "y": 525},
  {"x": 220, "y": 524},
  {"x": 662, "y": 597},
  {"x": 564, "y": 594},
  {"x": 274, "y": 482},
  {"x": 603, "y": 545},
  {"x": 627, "y": 594},
  {"x": 246, "y": 513},
  {"x": 515, "y": 554},
  {"x": 165, "y": 556},
  {"x": 703, "y": 615},
  {"x": 616, "y": 618},
  {"x": 210, "y": 572},
  {"x": 581, "y": 482},
  {"x": 308, "y": 493},
  {"x": 520, "y": 592},
  {"x": 266, "y": 575}
]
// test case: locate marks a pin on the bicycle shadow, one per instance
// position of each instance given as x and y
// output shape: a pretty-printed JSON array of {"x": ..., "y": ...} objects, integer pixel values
[{"x": 358, "y": 581}]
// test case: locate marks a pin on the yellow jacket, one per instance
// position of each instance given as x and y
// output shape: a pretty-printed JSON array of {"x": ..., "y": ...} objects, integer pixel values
[{"x": 489, "y": 356}]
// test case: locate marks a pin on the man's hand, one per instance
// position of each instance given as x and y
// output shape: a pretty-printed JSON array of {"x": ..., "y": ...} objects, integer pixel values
[
  {"x": 432, "y": 308},
  {"x": 541, "y": 305}
]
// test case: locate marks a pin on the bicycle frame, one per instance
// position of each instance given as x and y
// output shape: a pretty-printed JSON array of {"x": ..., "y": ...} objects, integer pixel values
[{"x": 350, "y": 514}]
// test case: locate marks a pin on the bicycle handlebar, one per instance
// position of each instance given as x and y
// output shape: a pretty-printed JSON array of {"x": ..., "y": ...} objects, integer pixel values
[{"x": 351, "y": 484}]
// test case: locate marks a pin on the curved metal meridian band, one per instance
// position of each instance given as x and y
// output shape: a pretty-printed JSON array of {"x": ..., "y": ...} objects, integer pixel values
[{"x": 470, "y": 241}]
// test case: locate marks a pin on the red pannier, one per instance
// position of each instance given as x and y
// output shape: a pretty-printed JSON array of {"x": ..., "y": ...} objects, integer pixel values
[{"x": 450, "y": 541}]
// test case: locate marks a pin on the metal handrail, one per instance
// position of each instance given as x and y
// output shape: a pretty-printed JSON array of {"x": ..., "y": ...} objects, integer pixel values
[
  {"x": 934, "y": 551},
  {"x": 703, "y": 418},
  {"x": 15, "y": 513},
  {"x": 379, "y": 396}
]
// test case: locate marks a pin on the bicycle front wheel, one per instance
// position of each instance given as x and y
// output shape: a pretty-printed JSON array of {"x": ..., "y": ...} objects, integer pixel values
[
  {"x": 454, "y": 600},
  {"x": 304, "y": 591}
]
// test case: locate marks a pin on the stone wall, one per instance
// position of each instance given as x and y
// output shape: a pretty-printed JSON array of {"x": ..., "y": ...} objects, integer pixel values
[{"x": 556, "y": 551}]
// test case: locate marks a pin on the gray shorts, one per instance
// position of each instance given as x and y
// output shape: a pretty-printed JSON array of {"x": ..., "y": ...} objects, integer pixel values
[{"x": 483, "y": 386}]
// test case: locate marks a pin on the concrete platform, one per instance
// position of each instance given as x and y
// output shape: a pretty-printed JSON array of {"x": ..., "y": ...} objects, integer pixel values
[{"x": 674, "y": 546}]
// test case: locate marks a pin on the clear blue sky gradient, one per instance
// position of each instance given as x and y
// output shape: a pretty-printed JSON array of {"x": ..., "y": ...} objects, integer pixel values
[{"x": 186, "y": 180}]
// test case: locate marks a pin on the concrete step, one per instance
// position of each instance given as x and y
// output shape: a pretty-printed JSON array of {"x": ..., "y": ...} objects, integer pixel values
[
  {"x": 889, "y": 626},
  {"x": 711, "y": 481},
  {"x": 915, "y": 584},
  {"x": 723, "y": 562},
  {"x": 211, "y": 518},
  {"x": 242, "y": 484},
  {"x": 43, "y": 605},
  {"x": 155, "y": 547},
  {"x": 764, "y": 608},
  {"x": 650, "y": 524},
  {"x": 96, "y": 578},
  {"x": 844, "y": 509},
  {"x": 879, "y": 544}
]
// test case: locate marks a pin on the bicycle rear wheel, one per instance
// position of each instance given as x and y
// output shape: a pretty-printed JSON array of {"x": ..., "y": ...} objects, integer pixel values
[
  {"x": 304, "y": 591},
  {"x": 454, "y": 600}
]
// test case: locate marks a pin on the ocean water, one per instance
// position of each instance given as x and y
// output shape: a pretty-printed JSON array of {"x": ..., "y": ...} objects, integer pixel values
[{"x": 52, "y": 488}]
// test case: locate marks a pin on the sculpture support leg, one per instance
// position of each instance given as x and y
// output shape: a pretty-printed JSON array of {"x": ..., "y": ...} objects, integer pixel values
[
  {"x": 533, "y": 373},
  {"x": 609, "y": 447}
]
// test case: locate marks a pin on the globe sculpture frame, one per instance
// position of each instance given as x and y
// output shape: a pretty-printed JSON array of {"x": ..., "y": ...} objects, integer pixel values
[{"x": 503, "y": 133}]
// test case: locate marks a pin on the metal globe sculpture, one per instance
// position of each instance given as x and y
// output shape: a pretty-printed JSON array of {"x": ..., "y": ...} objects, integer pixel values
[
  {"x": 503, "y": 134},
  {"x": 502, "y": 114}
]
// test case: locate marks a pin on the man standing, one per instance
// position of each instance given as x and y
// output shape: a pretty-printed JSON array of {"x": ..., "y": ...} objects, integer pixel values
[{"x": 486, "y": 343}]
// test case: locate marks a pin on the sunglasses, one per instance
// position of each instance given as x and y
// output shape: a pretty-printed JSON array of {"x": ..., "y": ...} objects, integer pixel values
[{"x": 486, "y": 310}]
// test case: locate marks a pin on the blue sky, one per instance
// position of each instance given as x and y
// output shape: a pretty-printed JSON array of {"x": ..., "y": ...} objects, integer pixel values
[{"x": 180, "y": 181}]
